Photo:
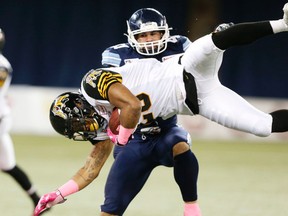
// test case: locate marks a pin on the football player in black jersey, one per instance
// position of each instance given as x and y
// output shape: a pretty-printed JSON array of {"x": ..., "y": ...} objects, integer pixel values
[{"x": 73, "y": 117}]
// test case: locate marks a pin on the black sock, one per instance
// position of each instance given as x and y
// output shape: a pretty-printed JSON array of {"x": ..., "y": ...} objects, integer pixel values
[
  {"x": 280, "y": 121},
  {"x": 34, "y": 196},
  {"x": 186, "y": 170}
]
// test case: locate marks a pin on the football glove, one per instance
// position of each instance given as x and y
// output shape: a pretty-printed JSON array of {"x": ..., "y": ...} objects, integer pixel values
[{"x": 47, "y": 201}]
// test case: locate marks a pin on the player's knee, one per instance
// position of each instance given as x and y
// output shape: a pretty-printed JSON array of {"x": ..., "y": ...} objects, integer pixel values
[
  {"x": 180, "y": 148},
  {"x": 114, "y": 207}
]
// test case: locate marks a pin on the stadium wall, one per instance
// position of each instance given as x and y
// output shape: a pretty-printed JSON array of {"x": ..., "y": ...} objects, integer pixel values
[{"x": 30, "y": 111}]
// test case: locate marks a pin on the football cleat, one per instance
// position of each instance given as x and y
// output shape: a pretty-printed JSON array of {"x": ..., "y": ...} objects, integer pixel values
[{"x": 285, "y": 16}]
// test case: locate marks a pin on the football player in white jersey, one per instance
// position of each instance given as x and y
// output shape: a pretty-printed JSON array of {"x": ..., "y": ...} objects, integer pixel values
[
  {"x": 149, "y": 37},
  {"x": 188, "y": 84},
  {"x": 7, "y": 155}
]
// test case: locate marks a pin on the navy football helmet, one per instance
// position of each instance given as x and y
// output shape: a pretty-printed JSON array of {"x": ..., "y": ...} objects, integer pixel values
[
  {"x": 2, "y": 39},
  {"x": 147, "y": 20},
  {"x": 72, "y": 116}
]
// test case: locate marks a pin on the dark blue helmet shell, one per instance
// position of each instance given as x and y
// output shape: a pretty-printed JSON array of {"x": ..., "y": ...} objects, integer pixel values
[{"x": 146, "y": 15}]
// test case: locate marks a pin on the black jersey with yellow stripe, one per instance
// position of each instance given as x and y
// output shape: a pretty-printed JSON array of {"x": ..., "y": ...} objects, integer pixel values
[{"x": 97, "y": 82}]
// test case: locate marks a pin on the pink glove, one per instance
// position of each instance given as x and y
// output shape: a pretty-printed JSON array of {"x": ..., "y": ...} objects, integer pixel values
[
  {"x": 47, "y": 201},
  {"x": 112, "y": 136}
]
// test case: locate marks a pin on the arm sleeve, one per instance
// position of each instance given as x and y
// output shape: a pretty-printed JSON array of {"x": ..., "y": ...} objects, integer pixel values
[{"x": 240, "y": 34}]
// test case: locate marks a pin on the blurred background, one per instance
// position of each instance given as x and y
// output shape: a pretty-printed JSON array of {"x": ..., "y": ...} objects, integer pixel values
[{"x": 53, "y": 43}]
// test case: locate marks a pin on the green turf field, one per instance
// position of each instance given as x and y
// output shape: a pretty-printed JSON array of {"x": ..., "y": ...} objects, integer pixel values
[{"x": 238, "y": 178}]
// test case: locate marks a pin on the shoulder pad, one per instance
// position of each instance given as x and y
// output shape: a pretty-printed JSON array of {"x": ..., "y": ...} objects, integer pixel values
[
  {"x": 115, "y": 55},
  {"x": 97, "y": 82}
]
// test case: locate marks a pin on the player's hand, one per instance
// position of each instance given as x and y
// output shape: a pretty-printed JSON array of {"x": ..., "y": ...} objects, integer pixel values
[{"x": 47, "y": 201}]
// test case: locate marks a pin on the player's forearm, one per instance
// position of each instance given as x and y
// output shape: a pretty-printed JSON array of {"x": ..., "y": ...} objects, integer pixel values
[
  {"x": 129, "y": 105},
  {"x": 129, "y": 117},
  {"x": 83, "y": 179},
  {"x": 77, "y": 183},
  {"x": 88, "y": 173},
  {"x": 93, "y": 165}
]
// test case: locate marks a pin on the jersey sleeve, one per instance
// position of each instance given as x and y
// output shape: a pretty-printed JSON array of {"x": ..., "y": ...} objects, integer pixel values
[
  {"x": 184, "y": 41},
  {"x": 110, "y": 58},
  {"x": 177, "y": 44},
  {"x": 96, "y": 83},
  {"x": 114, "y": 55}
]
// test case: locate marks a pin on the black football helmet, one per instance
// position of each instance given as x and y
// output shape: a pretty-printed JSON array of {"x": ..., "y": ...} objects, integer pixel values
[
  {"x": 147, "y": 20},
  {"x": 2, "y": 39},
  {"x": 72, "y": 116}
]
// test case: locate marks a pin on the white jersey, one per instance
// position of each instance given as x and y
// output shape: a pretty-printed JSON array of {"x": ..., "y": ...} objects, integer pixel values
[{"x": 159, "y": 85}]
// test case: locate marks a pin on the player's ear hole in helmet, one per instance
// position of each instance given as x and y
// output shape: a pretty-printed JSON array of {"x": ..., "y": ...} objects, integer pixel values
[
  {"x": 72, "y": 116},
  {"x": 147, "y": 20}
]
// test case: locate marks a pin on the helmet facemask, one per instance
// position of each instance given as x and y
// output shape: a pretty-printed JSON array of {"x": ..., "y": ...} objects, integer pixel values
[
  {"x": 81, "y": 128},
  {"x": 152, "y": 47},
  {"x": 72, "y": 116}
]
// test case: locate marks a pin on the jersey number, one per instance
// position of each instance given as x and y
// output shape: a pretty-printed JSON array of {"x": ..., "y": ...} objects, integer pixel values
[{"x": 144, "y": 98}]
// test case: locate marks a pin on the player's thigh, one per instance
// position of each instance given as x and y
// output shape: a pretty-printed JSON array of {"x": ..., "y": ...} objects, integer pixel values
[
  {"x": 5, "y": 124},
  {"x": 7, "y": 153},
  {"x": 229, "y": 109}
]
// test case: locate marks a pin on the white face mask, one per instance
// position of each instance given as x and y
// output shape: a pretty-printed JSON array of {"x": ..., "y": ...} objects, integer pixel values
[{"x": 149, "y": 48}]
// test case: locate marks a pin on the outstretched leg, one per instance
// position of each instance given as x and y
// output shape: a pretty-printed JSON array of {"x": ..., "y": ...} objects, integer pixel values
[
  {"x": 8, "y": 165},
  {"x": 22, "y": 179}
]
